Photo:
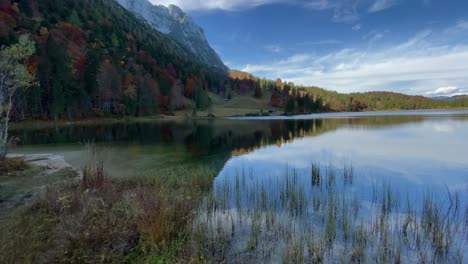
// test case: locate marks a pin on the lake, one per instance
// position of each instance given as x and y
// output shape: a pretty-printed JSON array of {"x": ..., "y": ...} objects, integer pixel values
[
  {"x": 384, "y": 163},
  {"x": 414, "y": 148}
]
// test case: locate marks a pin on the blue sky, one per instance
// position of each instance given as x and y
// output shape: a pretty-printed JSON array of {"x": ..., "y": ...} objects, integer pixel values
[{"x": 409, "y": 46}]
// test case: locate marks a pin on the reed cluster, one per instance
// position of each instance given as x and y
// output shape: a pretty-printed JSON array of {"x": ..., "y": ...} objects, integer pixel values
[{"x": 320, "y": 216}]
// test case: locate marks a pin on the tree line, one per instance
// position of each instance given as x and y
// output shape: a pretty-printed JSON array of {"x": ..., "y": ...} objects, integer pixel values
[
  {"x": 93, "y": 58},
  {"x": 296, "y": 99}
]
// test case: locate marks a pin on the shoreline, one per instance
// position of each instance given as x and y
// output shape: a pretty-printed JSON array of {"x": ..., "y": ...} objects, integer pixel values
[
  {"x": 179, "y": 118},
  {"x": 331, "y": 115},
  {"x": 51, "y": 163},
  {"x": 20, "y": 187}
]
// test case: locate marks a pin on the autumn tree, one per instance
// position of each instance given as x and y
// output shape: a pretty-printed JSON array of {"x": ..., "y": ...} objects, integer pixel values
[
  {"x": 74, "y": 40},
  {"x": 56, "y": 80},
  {"x": 190, "y": 86},
  {"x": 13, "y": 77},
  {"x": 275, "y": 99},
  {"x": 129, "y": 91},
  {"x": 176, "y": 101},
  {"x": 109, "y": 86},
  {"x": 148, "y": 95},
  {"x": 279, "y": 82}
]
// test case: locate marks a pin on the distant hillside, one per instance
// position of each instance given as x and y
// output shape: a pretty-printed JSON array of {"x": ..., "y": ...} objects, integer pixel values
[
  {"x": 381, "y": 100},
  {"x": 95, "y": 58},
  {"x": 456, "y": 97},
  {"x": 235, "y": 74},
  {"x": 178, "y": 25},
  {"x": 301, "y": 99}
]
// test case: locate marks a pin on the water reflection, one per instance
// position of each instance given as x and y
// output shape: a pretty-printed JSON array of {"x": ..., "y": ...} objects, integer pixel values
[
  {"x": 406, "y": 143},
  {"x": 349, "y": 195},
  {"x": 324, "y": 214},
  {"x": 403, "y": 167},
  {"x": 427, "y": 153}
]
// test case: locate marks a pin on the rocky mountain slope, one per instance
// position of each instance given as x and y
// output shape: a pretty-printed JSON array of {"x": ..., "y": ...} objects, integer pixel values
[{"x": 173, "y": 22}]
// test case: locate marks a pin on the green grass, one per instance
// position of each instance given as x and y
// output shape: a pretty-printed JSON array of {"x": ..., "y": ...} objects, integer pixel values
[{"x": 239, "y": 105}]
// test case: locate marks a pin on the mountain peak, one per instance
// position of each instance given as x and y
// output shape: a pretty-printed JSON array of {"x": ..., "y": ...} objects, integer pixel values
[
  {"x": 176, "y": 10},
  {"x": 178, "y": 25}
]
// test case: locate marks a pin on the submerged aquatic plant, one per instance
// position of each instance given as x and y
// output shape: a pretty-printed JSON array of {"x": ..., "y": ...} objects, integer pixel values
[{"x": 298, "y": 219}]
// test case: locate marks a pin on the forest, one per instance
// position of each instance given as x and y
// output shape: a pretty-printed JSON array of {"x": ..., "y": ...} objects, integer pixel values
[
  {"x": 296, "y": 99},
  {"x": 94, "y": 59}
]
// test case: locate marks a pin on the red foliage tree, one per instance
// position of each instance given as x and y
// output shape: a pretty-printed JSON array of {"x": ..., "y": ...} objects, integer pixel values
[
  {"x": 109, "y": 85},
  {"x": 190, "y": 86},
  {"x": 72, "y": 33},
  {"x": 129, "y": 86},
  {"x": 275, "y": 99}
]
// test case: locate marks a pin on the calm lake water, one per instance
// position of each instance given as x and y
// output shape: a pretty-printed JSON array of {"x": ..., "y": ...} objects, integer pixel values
[
  {"x": 417, "y": 159},
  {"x": 413, "y": 150}
]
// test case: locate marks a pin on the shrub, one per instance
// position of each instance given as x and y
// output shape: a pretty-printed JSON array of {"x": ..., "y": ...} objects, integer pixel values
[{"x": 11, "y": 165}]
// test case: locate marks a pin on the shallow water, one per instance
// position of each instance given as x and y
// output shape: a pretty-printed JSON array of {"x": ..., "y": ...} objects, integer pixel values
[
  {"x": 412, "y": 150},
  {"x": 414, "y": 155},
  {"x": 430, "y": 154}
]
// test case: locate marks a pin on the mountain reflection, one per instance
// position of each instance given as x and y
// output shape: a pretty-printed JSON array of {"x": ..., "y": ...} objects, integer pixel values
[{"x": 205, "y": 137}]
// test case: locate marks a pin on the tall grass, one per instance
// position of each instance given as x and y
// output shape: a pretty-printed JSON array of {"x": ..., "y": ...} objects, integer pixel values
[
  {"x": 11, "y": 165},
  {"x": 100, "y": 219},
  {"x": 304, "y": 221},
  {"x": 180, "y": 216}
]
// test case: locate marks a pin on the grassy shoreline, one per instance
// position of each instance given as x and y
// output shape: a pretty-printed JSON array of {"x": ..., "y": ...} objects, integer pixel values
[
  {"x": 180, "y": 217},
  {"x": 97, "y": 218},
  {"x": 180, "y": 117},
  {"x": 238, "y": 106}
]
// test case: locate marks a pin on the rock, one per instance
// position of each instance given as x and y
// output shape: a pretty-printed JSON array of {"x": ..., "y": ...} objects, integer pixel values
[
  {"x": 21, "y": 187},
  {"x": 52, "y": 162}
]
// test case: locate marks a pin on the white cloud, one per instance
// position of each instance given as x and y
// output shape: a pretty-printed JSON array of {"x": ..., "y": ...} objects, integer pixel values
[
  {"x": 373, "y": 36},
  {"x": 346, "y": 12},
  {"x": 343, "y": 11},
  {"x": 230, "y": 5},
  {"x": 319, "y": 4},
  {"x": 415, "y": 66},
  {"x": 460, "y": 29},
  {"x": 462, "y": 24},
  {"x": 319, "y": 42},
  {"x": 426, "y": 2},
  {"x": 274, "y": 48},
  {"x": 447, "y": 91},
  {"x": 443, "y": 90},
  {"x": 380, "y": 5},
  {"x": 418, "y": 39},
  {"x": 356, "y": 71},
  {"x": 356, "y": 27}
]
